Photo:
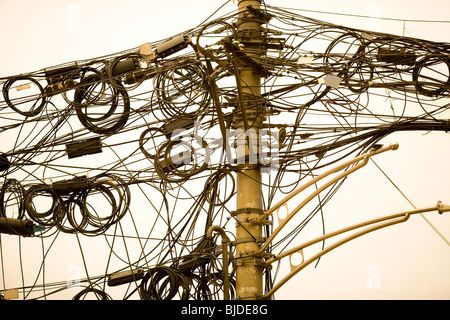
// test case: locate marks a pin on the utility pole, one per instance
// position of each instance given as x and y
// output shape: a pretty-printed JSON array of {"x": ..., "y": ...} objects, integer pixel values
[{"x": 249, "y": 272}]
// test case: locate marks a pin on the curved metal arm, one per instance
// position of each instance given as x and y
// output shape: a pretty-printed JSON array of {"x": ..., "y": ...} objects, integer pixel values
[
  {"x": 225, "y": 242},
  {"x": 363, "y": 160},
  {"x": 382, "y": 223}
]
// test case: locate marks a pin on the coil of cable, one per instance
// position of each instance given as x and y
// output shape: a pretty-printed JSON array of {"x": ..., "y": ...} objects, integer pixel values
[
  {"x": 182, "y": 91},
  {"x": 179, "y": 166},
  {"x": 38, "y": 100},
  {"x": 164, "y": 283},
  {"x": 88, "y": 292},
  {"x": 97, "y": 114},
  {"x": 430, "y": 86},
  {"x": 11, "y": 190},
  {"x": 212, "y": 189},
  {"x": 38, "y": 196},
  {"x": 117, "y": 195}
]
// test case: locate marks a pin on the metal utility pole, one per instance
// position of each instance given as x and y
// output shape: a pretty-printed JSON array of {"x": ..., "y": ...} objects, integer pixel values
[{"x": 249, "y": 272}]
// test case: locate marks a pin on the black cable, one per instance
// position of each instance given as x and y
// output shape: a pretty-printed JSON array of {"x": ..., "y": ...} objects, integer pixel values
[
  {"x": 135, "y": 111},
  {"x": 37, "y": 106}
]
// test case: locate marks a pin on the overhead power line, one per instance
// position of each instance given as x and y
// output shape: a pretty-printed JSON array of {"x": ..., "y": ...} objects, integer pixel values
[
  {"x": 368, "y": 16},
  {"x": 144, "y": 152}
]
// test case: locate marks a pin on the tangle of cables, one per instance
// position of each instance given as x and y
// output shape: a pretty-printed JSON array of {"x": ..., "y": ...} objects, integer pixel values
[{"x": 136, "y": 151}]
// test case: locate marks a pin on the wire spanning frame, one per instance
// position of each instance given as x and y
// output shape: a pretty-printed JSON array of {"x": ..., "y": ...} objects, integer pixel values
[{"x": 136, "y": 153}]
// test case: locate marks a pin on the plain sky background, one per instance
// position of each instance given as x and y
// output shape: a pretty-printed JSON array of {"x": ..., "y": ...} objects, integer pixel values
[{"x": 409, "y": 261}]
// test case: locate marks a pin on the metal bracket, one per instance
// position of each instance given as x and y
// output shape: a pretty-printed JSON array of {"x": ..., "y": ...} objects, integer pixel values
[
  {"x": 257, "y": 13},
  {"x": 253, "y": 221},
  {"x": 246, "y": 210},
  {"x": 254, "y": 262},
  {"x": 246, "y": 59}
]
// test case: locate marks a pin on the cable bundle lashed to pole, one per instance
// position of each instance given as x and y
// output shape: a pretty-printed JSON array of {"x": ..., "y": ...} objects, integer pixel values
[{"x": 137, "y": 151}]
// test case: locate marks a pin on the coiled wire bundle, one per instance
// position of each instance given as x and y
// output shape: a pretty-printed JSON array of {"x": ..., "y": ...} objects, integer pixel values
[
  {"x": 91, "y": 209},
  {"x": 99, "y": 114},
  {"x": 21, "y": 104},
  {"x": 103, "y": 204},
  {"x": 44, "y": 206},
  {"x": 177, "y": 160},
  {"x": 182, "y": 90},
  {"x": 164, "y": 283},
  {"x": 143, "y": 137},
  {"x": 11, "y": 198}
]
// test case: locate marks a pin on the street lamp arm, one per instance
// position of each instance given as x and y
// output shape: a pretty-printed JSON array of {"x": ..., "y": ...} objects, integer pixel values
[{"x": 379, "y": 224}]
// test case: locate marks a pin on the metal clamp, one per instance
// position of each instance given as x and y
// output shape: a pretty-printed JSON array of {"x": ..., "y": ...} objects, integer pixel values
[
  {"x": 246, "y": 210},
  {"x": 253, "y": 262},
  {"x": 249, "y": 239}
]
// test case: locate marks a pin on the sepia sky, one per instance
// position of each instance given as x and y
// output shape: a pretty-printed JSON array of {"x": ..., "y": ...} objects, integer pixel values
[{"x": 406, "y": 261}]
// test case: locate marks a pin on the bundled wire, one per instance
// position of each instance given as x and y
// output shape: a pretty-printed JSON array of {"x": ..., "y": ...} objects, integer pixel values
[
  {"x": 182, "y": 90},
  {"x": 68, "y": 206},
  {"x": 107, "y": 122},
  {"x": 138, "y": 142},
  {"x": 163, "y": 283},
  {"x": 47, "y": 217},
  {"x": 89, "y": 292},
  {"x": 11, "y": 191},
  {"x": 38, "y": 101}
]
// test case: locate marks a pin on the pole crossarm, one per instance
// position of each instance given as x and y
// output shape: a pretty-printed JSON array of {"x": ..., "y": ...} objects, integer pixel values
[{"x": 374, "y": 225}]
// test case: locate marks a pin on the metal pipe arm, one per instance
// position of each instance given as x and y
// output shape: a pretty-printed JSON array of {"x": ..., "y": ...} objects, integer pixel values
[
  {"x": 360, "y": 161},
  {"x": 380, "y": 223},
  {"x": 225, "y": 242}
]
